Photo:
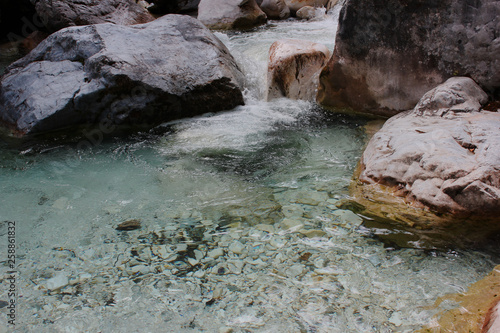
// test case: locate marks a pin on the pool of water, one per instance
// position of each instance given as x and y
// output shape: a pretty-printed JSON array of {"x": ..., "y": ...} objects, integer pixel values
[{"x": 240, "y": 229}]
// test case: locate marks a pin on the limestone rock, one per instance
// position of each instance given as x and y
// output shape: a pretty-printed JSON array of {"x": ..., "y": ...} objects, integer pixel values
[
  {"x": 444, "y": 154},
  {"x": 275, "y": 9},
  {"x": 58, "y": 14},
  {"x": 230, "y": 14},
  {"x": 310, "y": 13},
  {"x": 388, "y": 56},
  {"x": 294, "y": 67},
  {"x": 295, "y": 5},
  {"x": 113, "y": 75}
]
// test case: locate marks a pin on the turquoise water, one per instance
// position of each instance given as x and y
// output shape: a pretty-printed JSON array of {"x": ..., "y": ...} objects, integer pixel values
[{"x": 240, "y": 225}]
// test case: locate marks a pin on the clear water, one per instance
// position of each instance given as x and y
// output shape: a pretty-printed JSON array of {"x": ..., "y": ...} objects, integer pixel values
[{"x": 240, "y": 228}]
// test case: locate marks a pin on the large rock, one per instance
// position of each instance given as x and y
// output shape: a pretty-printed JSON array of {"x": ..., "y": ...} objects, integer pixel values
[
  {"x": 294, "y": 67},
  {"x": 444, "y": 155},
  {"x": 122, "y": 75},
  {"x": 58, "y": 14},
  {"x": 230, "y": 14},
  {"x": 295, "y": 5},
  {"x": 275, "y": 9},
  {"x": 387, "y": 55}
]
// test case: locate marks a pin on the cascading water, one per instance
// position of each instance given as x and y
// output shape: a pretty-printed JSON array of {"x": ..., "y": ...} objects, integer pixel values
[{"x": 240, "y": 228}]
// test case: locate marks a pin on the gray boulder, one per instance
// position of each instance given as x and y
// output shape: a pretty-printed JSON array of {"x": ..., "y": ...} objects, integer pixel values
[
  {"x": 122, "y": 75},
  {"x": 230, "y": 14},
  {"x": 444, "y": 155},
  {"x": 58, "y": 14},
  {"x": 387, "y": 55}
]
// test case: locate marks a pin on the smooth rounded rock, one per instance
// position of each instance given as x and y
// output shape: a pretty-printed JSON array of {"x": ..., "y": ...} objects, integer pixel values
[
  {"x": 294, "y": 67},
  {"x": 275, "y": 9}
]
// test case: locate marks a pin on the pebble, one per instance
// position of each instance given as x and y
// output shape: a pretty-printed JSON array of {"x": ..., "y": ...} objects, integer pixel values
[
  {"x": 236, "y": 247},
  {"x": 292, "y": 211},
  {"x": 313, "y": 233},
  {"x": 294, "y": 270},
  {"x": 57, "y": 282},
  {"x": 396, "y": 319},
  {"x": 193, "y": 262},
  {"x": 291, "y": 224},
  {"x": 199, "y": 254},
  {"x": 181, "y": 248},
  {"x": 143, "y": 269},
  {"x": 216, "y": 253},
  {"x": 311, "y": 198},
  {"x": 129, "y": 225},
  {"x": 199, "y": 274},
  {"x": 346, "y": 216},
  {"x": 265, "y": 227}
]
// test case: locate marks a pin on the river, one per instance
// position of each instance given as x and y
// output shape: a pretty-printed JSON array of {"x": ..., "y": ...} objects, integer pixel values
[{"x": 240, "y": 225}]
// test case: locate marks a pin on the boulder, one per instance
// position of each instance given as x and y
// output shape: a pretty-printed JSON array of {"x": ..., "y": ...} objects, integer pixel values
[
  {"x": 310, "y": 13},
  {"x": 294, "y": 67},
  {"x": 275, "y": 9},
  {"x": 138, "y": 75},
  {"x": 295, "y": 5},
  {"x": 444, "y": 155},
  {"x": 387, "y": 55},
  {"x": 58, "y": 14},
  {"x": 230, "y": 14}
]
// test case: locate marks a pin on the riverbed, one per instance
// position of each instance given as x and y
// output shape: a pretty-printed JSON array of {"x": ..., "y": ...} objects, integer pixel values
[{"x": 240, "y": 225}]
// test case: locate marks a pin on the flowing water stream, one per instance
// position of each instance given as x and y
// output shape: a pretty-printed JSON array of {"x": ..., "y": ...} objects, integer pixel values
[{"x": 240, "y": 229}]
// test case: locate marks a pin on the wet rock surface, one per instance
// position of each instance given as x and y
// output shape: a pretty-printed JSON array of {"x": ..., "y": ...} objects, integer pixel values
[
  {"x": 471, "y": 308},
  {"x": 230, "y": 14},
  {"x": 58, "y": 14},
  {"x": 387, "y": 57},
  {"x": 117, "y": 75},
  {"x": 294, "y": 67},
  {"x": 443, "y": 155}
]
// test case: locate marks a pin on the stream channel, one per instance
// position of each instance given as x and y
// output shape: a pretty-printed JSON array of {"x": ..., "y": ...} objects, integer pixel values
[{"x": 240, "y": 225}]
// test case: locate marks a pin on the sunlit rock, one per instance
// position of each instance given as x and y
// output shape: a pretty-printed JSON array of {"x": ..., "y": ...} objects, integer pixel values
[
  {"x": 442, "y": 157},
  {"x": 230, "y": 14},
  {"x": 294, "y": 67}
]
